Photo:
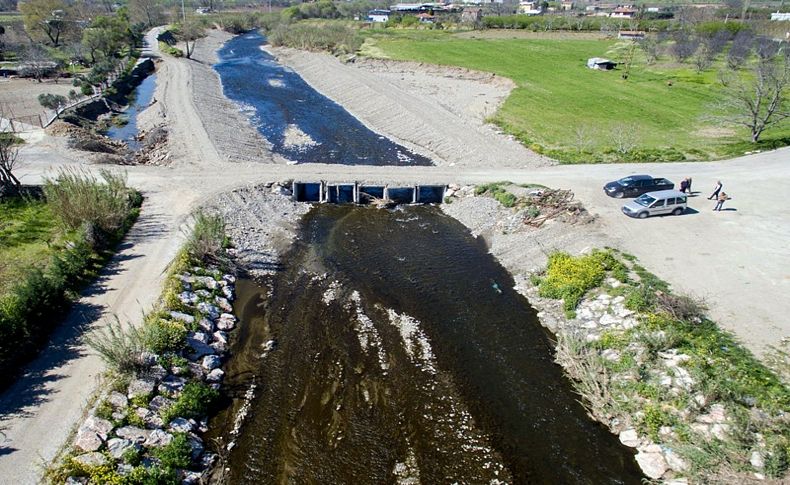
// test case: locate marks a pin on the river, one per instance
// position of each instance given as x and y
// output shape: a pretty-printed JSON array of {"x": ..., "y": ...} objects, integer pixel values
[
  {"x": 300, "y": 123},
  {"x": 399, "y": 353}
]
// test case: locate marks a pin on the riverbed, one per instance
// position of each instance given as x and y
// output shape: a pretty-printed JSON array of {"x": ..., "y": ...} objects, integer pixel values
[{"x": 391, "y": 348}]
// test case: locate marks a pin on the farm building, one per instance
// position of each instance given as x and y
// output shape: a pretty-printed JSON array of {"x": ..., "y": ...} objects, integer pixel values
[
  {"x": 378, "y": 15},
  {"x": 624, "y": 13},
  {"x": 601, "y": 64}
]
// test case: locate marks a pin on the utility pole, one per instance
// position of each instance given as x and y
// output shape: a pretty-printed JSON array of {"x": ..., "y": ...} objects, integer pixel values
[{"x": 183, "y": 12}]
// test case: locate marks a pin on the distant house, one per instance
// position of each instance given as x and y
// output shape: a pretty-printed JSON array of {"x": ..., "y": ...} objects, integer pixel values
[
  {"x": 601, "y": 64},
  {"x": 425, "y": 18},
  {"x": 631, "y": 34},
  {"x": 624, "y": 13},
  {"x": 780, "y": 17},
  {"x": 567, "y": 5},
  {"x": 378, "y": 15},
  {"x": 529, "y": 8},
  {"x": 472, "y": 14}
]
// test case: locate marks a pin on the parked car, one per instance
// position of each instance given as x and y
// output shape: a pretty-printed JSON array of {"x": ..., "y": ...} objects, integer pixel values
[
  {"x": 656, "y": 203},
  {"x": 635, "y": 185}
]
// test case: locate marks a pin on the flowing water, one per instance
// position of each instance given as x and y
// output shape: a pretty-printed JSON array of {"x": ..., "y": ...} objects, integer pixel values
[
  {"x": 391, "y": 348},
  {"x": 142, "y": 97},
  {"x": 299, "y": 122}
]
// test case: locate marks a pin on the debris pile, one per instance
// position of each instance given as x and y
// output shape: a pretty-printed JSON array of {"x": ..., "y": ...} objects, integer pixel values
[
  {"x": 545, "y": 204},
  {"x": 153, "y": 149}
]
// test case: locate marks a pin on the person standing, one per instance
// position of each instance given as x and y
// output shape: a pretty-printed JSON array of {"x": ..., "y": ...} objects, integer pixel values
[
  {"x": 720, "y": 201},
  {"x": 716, "y": 191},
  {"x": 688, "y": 185},
  {"x": 684, "y": 185}
]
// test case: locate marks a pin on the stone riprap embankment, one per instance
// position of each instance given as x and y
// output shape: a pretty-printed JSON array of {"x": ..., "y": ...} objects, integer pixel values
[{"x": 128, "y": 427}]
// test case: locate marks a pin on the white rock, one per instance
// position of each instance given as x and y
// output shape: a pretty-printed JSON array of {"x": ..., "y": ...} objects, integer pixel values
[
  {"x": 652, "y": 464},
  {"x": 118, "y": 446},
  {"x": 220, "y": 336},
  {"x": 208, "y": 309},
  {"x": 206, "y": 325},
  {"x": 611, "y": 355},
  {"x": 756, "y": 460},
  {"x": 160, "y": 403},
  {"x": 629, "y": 437},
  {"x": 188, "y": 298},
  {"x": 720, "y": 431},
  {"x": 91, "y": 459},
  {"x": 608, "y": 319},
  {"x": 224, "y": 304},
  {"x": 675, "y": 461},
  {"x": 141, "y": 387},
  {"x": 150, "y": 418},
  {"x": 158, "y": 438},
  {"x": 183, "y": 317},
  {"x": 172, "y": 386},
  {"x": 211, "y": 362},
  {"x": 216, "y": 375},
  {"x": 180, "y": 425},
  {"x": 133, "y": 433}
]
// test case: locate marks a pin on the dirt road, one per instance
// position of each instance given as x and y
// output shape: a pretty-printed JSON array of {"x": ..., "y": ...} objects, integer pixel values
[{"x": 736, "y": 259}]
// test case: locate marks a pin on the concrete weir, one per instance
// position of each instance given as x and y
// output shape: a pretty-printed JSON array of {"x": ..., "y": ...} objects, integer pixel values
[{"x": 356, "y": 193}]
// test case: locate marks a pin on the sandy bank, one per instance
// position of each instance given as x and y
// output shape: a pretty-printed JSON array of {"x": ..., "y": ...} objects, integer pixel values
[{"x": 434, "y": 111}]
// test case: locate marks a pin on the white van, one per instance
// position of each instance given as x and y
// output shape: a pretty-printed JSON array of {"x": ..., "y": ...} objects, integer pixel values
[{"x": 656, "y": 204}]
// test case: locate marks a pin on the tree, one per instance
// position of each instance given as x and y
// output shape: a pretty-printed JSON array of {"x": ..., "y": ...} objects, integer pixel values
[
  {"x": 52, "y": 101},
  {"x": 757, "y": 100},
  {"x": 105, "y": 36},
  {"x": 47, "y": 17},
  {"x": 190, "y": 31},
  {"x": 8, "y": 157},
  {"x": 684, "y": 47},
  {"x": 650, "y": 48},
  {"x": 36, "y": 62},
  {"x": 149, "y": 12},
  {"x": 740, "y": 49}
]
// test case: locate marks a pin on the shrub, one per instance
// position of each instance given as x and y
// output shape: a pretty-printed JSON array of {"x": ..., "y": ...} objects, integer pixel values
[
  {"x": 121, "y": 348},
  {"x": 332, "y": 37},
  {"x": 177, "y": 454},
  {"x": 194, "y": 402},
  {"x": 77, "y": 197},
  {"x": 162, "y": 335},
  {"x": 207, "y": 238},
  {"x": 569, "y": 278}
]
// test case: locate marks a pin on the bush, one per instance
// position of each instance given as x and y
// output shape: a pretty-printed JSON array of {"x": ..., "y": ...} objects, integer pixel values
[
  {"x": 315, "y": 36},
  {"x": 569, "y": 278},
  {"x": 162, "y": 335},
  {"x": 194, "y": 402},
  {"x": 207, "y": 239},
  {"x": 121, "y": 348},
  {"x": 177, "y": 454},
  {"x": 77, "y": 197}
]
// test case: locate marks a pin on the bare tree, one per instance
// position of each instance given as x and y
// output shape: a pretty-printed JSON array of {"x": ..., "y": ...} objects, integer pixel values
[
  {"x": 650, "y": 48},
  {"x": 624, "y": 138},
  {"x": 740, "y": 49},
  {"x": 584, "y": 138},
  {"x": 684, "y": 47},
  {"x": 8, "y": 157},
  {"x": 766, "y": 48},
  {"x": 36, "y": 62},
  {"x": 190, "y": 32},
  {"x": 758, "y": 100}
]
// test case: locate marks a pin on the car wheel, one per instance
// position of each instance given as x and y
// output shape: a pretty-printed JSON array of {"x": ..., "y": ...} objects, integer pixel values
[
  {"x": 642, "y": 215},
  {"x": 618, "y": 195},
  {"x": 677, "y": 211}
]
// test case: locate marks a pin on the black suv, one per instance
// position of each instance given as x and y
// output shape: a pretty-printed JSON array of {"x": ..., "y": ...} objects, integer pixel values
[{"x": 635, "y": 185}]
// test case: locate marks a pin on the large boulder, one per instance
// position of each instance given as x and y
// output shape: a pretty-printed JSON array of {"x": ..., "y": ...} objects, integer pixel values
[
  {"x": 158, "y": 438},
  {"x": 216, "y": 375},
  {"x": 118, "y": 446},
  {"x": 172, "y": 386},
  {"x": 211, "y": 311},
  {"x": 118, "y": 400},
  {"x": 92, "y": 433},
  {"x": 160, "y": 403},
  {"x": 652, "y": 464},
  {"x": 92, "y": 459},
  {"x": 211, "y": 362},
  {"x": 180, "y": 425},
  {"x": 133, "y": 434},
  {"x": 141, "y": 387},
  {"x": 150, "y": 418}
]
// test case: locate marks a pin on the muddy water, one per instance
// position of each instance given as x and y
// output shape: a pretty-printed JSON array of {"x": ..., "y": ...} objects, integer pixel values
[{"x": 404, "y": 356}]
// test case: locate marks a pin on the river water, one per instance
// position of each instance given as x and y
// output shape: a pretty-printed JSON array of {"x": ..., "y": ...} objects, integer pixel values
[
  {"x": 401, "y": 354},
  {"x": 141, "y": 99},
  {"x": 300, "y": 123}
]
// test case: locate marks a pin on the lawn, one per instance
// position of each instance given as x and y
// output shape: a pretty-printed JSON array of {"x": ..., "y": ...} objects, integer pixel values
[
  {"x": 27, "y": 230},
  {"x": 561, "y": 107}
]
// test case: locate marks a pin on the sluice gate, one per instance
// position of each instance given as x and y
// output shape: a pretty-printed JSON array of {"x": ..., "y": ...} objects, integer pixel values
[{"x": 356, "y": 193}]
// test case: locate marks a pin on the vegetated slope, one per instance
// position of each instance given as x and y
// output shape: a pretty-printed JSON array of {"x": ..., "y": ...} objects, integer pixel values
[{"x": 567, "y": 108}]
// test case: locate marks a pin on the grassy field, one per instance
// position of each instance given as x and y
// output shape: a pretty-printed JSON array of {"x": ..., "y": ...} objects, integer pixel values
[
  {"x": 576, "y": 114},
  {"x": 27, "y": 229}
]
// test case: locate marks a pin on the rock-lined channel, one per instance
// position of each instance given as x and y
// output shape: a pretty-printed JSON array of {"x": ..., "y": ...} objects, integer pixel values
[
  {"x": 299, "y": 122},
  {"x": 391, "y": 348}
]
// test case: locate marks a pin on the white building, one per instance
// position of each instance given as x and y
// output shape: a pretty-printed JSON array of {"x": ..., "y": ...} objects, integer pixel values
[{"x": 780, "y": 16}]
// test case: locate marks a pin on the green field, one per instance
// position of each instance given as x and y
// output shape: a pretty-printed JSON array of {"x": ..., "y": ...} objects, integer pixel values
[
  {"x": 573, "y": 113},
  {"x": 27, "y": 229}
]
